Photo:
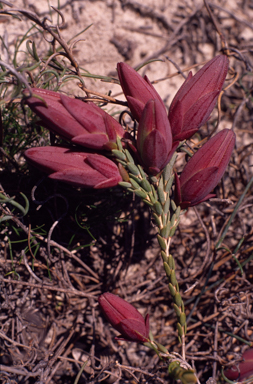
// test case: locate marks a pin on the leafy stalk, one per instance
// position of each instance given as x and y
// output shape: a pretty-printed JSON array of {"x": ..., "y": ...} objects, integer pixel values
[{"x": 156, "y": 193}]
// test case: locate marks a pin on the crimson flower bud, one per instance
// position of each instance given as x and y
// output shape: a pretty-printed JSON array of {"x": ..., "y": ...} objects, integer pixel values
[
  {"x": 125, "y": 318},
  {"x": 138, "y": 90},
  {"x": 82, "y": 123},
  {"x": 73, "y": 167},
  {"x": 154, "y": 138},
  {"x": 244, "y": 369},
  {"x": 204, "y": 170},
  {"x": 195, "y": 100}
]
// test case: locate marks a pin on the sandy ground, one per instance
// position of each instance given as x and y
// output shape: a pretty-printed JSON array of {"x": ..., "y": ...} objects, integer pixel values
[{"x": 134, "y": 32}]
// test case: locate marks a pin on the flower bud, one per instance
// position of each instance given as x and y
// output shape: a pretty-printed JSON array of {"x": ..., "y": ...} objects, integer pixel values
[
  {"x": 195, "y": 100},
  {"x": 125, "y": 318},
  {"x": 204, "y": 170},
  {"x": 73, "y": 167},
  {"x": 83, "y": 123},
  {"x": 154, "y": 138},
  {"x": 138, "y": 90},
  {"x": 244, "y": 370}
]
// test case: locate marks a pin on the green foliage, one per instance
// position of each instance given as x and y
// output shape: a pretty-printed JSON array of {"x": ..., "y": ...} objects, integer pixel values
[{"x": 187, "y": 376}]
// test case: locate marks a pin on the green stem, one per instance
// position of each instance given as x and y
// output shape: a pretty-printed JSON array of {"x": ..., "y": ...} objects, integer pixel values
[
  {"x": 156, "y": 192},
  {"x": 167, "y": 223}
]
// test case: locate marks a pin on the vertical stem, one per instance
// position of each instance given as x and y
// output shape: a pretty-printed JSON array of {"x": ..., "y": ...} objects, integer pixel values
[
  {"x": 167, "y": 223},
  {"x": 155, "y": 192},
  {"x": 169, "y": 267}
]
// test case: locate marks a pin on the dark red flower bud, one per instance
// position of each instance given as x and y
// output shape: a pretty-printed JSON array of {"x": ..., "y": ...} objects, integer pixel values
[
  {"x": 204, "y": 170},
  {"x": 244, "y": 370},
  {"x": 195, "y": 100},
  {"x": 125, "y": 318},
  {"x": 138, "y": 90},
  {"x": 82, "y": 123},
  {"x": 154, "y": 138},
  {"x": 77, "y": 168}
]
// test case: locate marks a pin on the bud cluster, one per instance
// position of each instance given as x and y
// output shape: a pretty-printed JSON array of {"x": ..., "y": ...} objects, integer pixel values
[
  {"x": 143, "y": 165},
  {"x": 158, "y": 136}
]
